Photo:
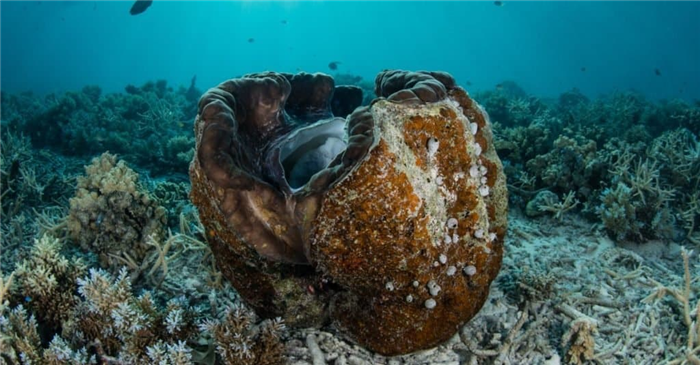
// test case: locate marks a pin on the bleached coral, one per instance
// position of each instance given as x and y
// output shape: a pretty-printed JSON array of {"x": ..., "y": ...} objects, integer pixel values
[{"x": 60, "y": 353}]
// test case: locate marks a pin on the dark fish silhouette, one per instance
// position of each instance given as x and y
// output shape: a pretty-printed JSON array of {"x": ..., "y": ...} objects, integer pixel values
[
  {"x": 583, "y": 69},
  {"x": 284, "y": 22},
  {"x": 140, "y": 6},
  {"x": 657, "y": 72},
  {"x": 498, "y": 3},
  {"x": 499, "y": 86},
  {"x": 469, "y": 83},
  {"x": 251, "y": 40},
  {"x": 334, "y": 65}
]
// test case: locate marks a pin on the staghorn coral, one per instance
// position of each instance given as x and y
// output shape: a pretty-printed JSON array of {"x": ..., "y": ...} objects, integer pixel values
[
  {"x": 678, "y": 155},
  {"x": 653, "y": 191},
  {"x": 16, "y": 152},
  {"x": 393, "y": 229},
  {"x": 683, "y": 297},
  {"x": 111, "y": 215}
]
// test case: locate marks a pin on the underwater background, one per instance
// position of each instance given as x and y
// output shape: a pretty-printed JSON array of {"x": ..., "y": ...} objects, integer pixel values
[
  {"x": 543, "y": 46},
  {"x": 595, "y": 111}
]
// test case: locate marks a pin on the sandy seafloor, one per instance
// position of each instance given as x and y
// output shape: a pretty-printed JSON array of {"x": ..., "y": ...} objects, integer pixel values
[{"x": 584, "y": 287}]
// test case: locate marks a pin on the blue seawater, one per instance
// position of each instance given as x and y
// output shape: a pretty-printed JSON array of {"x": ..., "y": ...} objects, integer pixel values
[{"x": 50, "y": 46}]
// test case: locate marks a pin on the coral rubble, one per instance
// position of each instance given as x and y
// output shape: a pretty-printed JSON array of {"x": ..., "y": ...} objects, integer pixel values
[{"x": 391, "y": 221}]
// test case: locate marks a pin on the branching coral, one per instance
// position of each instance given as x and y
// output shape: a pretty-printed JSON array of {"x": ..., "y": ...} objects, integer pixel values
[
  {"x": 650, "y": 194},
  {"x": 559, "y": 208},
  {"x": 131, "y": 328},
  {"x": 683, "y": 297},
  {"x": 5, "y": 285},
  {"x": 47, "y": 281},
  {"x": 239, "y": 340},
  {"x": 17, "y": 177}
]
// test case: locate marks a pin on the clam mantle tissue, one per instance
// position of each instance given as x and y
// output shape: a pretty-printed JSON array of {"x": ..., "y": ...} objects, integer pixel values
[{"x": 386, "y": 220}]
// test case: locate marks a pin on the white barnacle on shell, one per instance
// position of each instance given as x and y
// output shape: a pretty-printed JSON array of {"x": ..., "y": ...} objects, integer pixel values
[
  {"x": 470, "y": 270},
  {"x": 484, "y": 190},
  {"x": 477, "y": 149},
  {"x": 433, "y": 145},
  {"x": 452, "y": 223}
]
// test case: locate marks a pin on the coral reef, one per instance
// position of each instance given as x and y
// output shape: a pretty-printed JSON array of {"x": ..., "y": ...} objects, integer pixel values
[
  {"x": 575, "y": 286},
  {"x": 67, "y": 315},
  {"x": 395, "y": 230},
  {"x": 147, "y": 123},
  {"x": 631, "y": 165}
]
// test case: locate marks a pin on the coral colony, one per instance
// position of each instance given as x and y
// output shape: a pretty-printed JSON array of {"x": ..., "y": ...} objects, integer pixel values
[{"x": 335, "y": 220}]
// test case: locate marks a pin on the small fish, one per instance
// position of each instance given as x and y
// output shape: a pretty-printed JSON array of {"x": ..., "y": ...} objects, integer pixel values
[
  {"x": 499, "y": 86},
  {"x": 334, "y": 65},
  {"x": 283, "y": 22},
  {"x": 63, "y": 19},
  {"x": 657, "y": 72},
  {"x": 583, "y": 69},
  {"x": 251, "y": 40},
  {"x": 498, "y": 3},
  {"x": 140, "y": 6},
  {"x": 469, "y": 83}
]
